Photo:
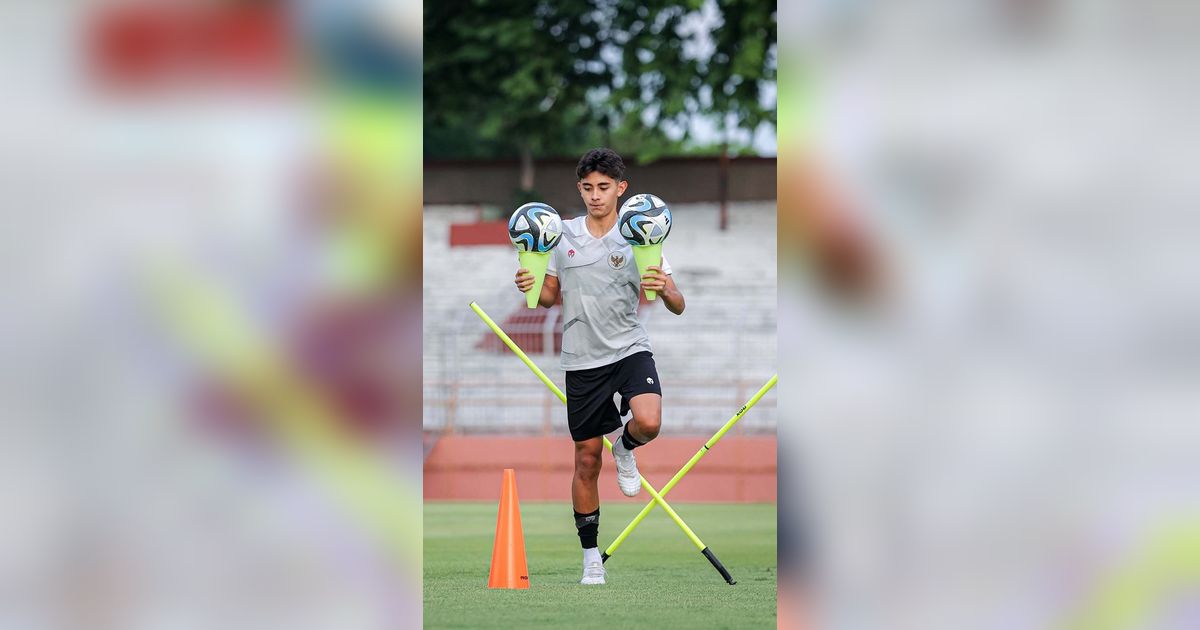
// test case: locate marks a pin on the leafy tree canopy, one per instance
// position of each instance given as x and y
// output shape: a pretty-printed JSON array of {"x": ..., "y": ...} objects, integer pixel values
[{"x": 506, "y": 78}]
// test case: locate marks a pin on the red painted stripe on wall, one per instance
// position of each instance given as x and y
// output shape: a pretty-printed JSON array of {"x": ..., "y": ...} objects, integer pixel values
[{"x": 482, "y": 233}]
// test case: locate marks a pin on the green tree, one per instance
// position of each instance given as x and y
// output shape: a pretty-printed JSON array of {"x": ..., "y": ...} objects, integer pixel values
[
  {"x": 683, "y": 62},
  {"x": 525, "y": 79},
  {"x": 737, "y": 74},
  {"x": 510, "y": 78},
  {"x": 647, "y": 107},
  {"x": 742, "y": 66}
]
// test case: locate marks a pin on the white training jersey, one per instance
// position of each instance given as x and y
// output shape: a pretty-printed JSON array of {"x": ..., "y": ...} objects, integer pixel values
[{"x": 599, "y": 284}]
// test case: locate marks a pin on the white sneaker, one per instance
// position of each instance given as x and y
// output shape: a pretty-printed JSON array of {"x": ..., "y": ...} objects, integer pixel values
[
  {"x": 593, "y": 573},
  {"x": 628, "y": 478}
]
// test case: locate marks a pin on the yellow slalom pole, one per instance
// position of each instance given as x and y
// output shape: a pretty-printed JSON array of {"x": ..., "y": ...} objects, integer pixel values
[
  {"x": 612, "y": 548},
  {"x": 512, "y": 345}
]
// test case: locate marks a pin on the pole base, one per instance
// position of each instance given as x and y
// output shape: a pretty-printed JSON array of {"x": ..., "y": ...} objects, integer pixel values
[{"x": 717, "y": 563}]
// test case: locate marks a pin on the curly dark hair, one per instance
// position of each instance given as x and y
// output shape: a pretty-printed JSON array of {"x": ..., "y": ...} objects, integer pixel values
[{"x": 602, "y": 160}]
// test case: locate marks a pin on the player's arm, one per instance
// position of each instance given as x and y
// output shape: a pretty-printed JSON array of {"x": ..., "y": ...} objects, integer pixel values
[
  {"x": 549, "y": 296},
  {"x": 661, "y": 282}
]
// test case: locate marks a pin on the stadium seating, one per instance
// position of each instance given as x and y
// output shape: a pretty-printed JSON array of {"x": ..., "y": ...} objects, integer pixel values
[{"x": 711, "y": 359}]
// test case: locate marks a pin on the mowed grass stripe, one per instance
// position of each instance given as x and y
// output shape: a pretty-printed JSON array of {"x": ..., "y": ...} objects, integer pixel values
[{"x": 657, "y": 577}]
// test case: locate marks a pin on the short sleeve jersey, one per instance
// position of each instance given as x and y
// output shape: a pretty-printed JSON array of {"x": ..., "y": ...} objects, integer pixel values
[{"x": 599, "y": 284}]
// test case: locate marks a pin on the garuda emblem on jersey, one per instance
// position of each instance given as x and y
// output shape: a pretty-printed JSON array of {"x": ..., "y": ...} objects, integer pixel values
[{"x": 616, "y": 260}]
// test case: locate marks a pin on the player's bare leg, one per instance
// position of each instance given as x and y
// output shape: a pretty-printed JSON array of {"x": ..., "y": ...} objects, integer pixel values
[
  {"x": 585, "y": 498},
  {"x": 585, "y": 494},
  {"x": 647, "y": 413}
]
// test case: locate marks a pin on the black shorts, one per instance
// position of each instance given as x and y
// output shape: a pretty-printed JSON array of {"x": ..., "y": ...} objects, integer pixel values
[{"x": 590, "y": 408}]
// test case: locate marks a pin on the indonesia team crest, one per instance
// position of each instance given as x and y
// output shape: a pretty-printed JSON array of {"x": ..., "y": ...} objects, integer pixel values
[{"x": 617, "y": 260}]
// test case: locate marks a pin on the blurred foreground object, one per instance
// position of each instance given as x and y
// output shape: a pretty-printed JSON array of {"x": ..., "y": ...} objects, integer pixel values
[
  {"x": 1006, "y": 438},
  {"x": 210, "y": 367}
]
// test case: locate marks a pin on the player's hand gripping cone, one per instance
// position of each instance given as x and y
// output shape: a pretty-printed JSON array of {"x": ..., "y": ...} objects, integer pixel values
[
  {"x": 535, "y": 229},
  {"x": 645, "y": 222},
  {"x": 509, "y": 569}
]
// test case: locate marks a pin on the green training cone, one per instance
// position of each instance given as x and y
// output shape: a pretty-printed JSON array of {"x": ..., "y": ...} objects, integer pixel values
[
  {"x": 647, "y": 255},
  {"x": 535, "y": 262}
]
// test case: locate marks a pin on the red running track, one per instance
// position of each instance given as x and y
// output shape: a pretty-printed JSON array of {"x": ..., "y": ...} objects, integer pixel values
[{"x": 737, "y": 469}]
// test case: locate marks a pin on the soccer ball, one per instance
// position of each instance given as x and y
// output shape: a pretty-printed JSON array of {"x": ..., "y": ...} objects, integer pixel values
[
  {"x": 535, "y": 227},
  {"x": 644, "y": 220}
]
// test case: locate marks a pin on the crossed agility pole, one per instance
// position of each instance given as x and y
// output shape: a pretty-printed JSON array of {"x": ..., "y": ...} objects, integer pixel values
[{"x": 657, "y": 497}]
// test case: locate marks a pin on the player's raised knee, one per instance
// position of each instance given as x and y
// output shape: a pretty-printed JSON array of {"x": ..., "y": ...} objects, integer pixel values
[{"x": 648, "y": 423}]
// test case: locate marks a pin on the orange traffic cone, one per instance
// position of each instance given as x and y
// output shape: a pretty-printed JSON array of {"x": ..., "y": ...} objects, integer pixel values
[{"x": 508, "y": 552}]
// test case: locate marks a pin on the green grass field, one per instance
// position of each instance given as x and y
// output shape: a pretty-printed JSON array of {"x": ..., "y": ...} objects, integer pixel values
[{"x": 657, "y": 578}]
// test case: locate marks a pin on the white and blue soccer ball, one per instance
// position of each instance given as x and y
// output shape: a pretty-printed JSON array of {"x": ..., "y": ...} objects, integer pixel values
[
  {"x": 535, "y": 227},
  {"x": 644, "y": 220}
]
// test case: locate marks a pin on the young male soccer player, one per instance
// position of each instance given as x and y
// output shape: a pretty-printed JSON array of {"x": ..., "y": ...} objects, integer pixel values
[{"x": 605, "y": 349}]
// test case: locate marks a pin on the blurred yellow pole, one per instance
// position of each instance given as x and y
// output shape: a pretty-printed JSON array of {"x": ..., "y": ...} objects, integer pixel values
[{"x": 218, "y": 331}]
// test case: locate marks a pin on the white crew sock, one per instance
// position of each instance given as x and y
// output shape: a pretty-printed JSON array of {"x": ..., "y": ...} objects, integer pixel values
[{"x": 591, "y": 555}]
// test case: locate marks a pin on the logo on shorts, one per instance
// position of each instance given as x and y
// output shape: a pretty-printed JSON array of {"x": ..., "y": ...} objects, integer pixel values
[
  {"x": 649, "y": 380},
  {"x": 616, "y": 260}
]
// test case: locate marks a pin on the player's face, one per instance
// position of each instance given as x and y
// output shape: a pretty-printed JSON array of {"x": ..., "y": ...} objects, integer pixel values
[{"x": 600, "y": 193}]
